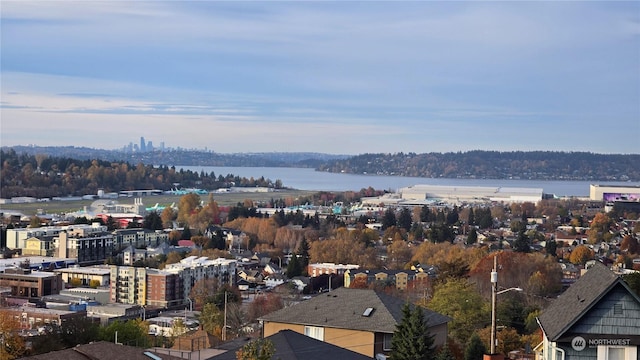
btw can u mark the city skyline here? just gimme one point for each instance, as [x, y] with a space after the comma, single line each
[341, 78]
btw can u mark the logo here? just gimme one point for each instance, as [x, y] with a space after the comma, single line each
[578, 343]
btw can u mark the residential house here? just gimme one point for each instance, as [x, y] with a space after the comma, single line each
[360, 320]
[598, 317]
[290, 345]
[103, 350]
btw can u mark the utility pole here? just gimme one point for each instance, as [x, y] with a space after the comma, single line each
[494, 295]
[224, 328]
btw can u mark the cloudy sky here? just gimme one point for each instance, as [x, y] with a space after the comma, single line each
[334, 77]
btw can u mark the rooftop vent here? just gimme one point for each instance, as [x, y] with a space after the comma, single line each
[367, 312]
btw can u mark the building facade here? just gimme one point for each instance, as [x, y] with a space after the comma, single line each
[128, 285]
[596, 318]
[164, 289]
[27, 284]
[193, 269]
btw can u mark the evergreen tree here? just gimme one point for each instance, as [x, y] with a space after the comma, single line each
[389, 219]
[551, 247]
[303, 252]
[472, 238]
[522, 242]
[412, 340]
[445, 354]
[152, 221]
[471, 219]
[186, 233]
[294, 268]
[452, 216]
[475, 349]
[404, 219]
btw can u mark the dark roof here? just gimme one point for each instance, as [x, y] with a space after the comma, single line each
[343, 308]
[578, 299]
[101, 350]
[290, 345]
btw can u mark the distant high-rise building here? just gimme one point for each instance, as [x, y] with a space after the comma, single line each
[162, 146]
[150, 146]
[143, 145]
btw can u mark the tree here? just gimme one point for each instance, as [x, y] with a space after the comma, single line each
[14, 346]
[551, 248]
[405, 219]
[411, 340]
[580, 255]
[472, 238]
[457, 299]
[629, 244]
[131, 332]
[167, 217]
[186, 233]
[264, 304]
[475, 349]
[260, 349]
[212, 319]
[203, 291]
[389, 218]
[294, 268]
[445, 354]
[78, 330]
[94, 283]
[633, 280]
[522, 242]
[187, 206]
[35, 222]
[303, 254]
[152, 221]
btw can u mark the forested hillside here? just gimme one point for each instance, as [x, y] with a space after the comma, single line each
[535, 165]
[43, 176]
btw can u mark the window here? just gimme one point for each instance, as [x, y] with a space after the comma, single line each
[314, 332]
[386, 342]
[617, 352]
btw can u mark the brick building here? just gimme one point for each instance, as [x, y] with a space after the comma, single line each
[28, 284]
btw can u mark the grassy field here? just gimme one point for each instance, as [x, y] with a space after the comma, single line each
[223, 199]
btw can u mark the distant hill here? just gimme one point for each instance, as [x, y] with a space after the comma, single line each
[184, 157]
[532, 165]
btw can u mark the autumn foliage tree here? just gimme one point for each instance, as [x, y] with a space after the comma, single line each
[263, 305]
[13, 345]
[581, 254]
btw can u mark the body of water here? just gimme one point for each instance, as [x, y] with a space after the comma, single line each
[309, 179]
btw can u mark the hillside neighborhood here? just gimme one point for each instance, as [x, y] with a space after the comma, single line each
[494, 272]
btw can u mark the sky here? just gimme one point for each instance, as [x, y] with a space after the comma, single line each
[339, 77]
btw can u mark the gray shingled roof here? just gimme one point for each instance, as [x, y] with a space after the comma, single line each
[578, 299]
[101, 350]
[343, 308]
[290, 345]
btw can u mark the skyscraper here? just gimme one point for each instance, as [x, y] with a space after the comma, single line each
[143, 145]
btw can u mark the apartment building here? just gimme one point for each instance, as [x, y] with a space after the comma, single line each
[193, 269]
[124, 238]
[89, 247]
[128, 285]
[164, 289]
[318, 269]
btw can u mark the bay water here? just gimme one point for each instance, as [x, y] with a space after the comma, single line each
[309, 179]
